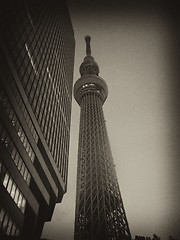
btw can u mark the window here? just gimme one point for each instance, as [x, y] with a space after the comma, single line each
[2, 213]
[7, 224]
[16, 195]
[5, 182]
[13, 190]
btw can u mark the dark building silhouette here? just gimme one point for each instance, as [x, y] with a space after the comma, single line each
[36, 74]
[100, 212]
[155, 237]
[142, 238]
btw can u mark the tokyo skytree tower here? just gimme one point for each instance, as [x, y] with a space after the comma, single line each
[99, 208]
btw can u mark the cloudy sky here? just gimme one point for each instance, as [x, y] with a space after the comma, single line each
[135, 47]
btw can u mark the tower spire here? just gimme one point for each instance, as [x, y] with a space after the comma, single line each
[88, 66]
[88, 46]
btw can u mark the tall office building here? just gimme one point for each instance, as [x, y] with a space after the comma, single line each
[36, 74]
[99, 208]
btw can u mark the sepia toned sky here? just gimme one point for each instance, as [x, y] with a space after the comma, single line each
[135, 46]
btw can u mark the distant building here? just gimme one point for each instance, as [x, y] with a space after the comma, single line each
[100, 213]
[140, 238]
[36, 74]
[155, 237]
[45, 239]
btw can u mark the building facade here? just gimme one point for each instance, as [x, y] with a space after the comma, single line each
[100, 212]
[36, 74]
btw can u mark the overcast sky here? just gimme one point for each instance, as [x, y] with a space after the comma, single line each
[134, 47]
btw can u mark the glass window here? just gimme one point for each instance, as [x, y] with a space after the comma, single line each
[6, 178]
[16, 195]
[5, 222]
[32, 156]
[17, 232]
[22, 169]
[25, 142]
[16, 158]
[19, 200]
[13, 190]
[19, 132]
[9, 227]
[25, 173]
[10, 146]
[30, 152]
[11, 115]
[22, 136]
[27, 147]
[19, 164]
[25, 113]
[28, 178]
[23, 205]
[2, 213]
[13, 153]
[6, 141]
[3, 135]
[17, 125]
[13, 230]
[9, 185]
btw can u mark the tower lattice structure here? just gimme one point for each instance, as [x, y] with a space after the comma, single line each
[100, 212]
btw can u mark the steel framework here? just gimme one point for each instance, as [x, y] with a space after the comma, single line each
[100, 212]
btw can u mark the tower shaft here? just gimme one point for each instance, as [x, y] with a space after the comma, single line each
[99, 208]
